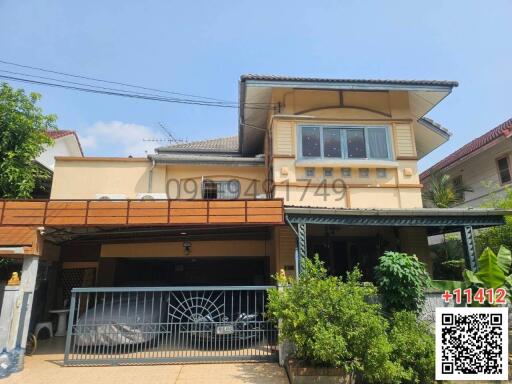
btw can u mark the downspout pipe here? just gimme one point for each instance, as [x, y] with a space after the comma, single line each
[150, 177]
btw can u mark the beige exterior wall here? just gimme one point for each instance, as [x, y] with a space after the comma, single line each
[198, 249]
[284, 248]
[184, 181]
[399, 189]
[414, 241]
[85, 178]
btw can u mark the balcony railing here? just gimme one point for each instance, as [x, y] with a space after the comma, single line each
[139, 212]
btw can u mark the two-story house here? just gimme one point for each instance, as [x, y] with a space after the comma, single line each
[325, 166]
[483, 165]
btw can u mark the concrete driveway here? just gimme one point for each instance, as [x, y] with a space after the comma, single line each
[45, 367]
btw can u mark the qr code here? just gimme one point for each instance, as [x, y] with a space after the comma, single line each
[471, 343]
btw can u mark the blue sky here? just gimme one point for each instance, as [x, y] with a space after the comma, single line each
[202, 47]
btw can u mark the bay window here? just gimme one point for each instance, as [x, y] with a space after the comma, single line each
[344, 142]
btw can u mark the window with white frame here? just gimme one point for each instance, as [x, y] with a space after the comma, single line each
[504, 170]
[344, 142]
[221, 190]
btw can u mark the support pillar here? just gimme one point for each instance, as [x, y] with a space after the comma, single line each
[302, 248]
[22, 308]
[468, 242]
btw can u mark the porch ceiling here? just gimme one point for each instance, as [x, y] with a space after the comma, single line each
[437, 220]
[124, 234]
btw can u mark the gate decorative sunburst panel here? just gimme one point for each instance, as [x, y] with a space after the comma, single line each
[130, 325]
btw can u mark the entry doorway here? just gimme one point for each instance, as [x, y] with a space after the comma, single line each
[341, 255]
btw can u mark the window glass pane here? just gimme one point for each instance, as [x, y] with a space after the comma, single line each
[355, 143]
[504, 170]
[377, 143]
[228, 189]
[381, 173]
[310, 141]
[310, 172]
[332, 142]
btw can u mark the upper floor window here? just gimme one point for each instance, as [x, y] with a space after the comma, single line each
[354, 142]
[504, 170]
[221, 190]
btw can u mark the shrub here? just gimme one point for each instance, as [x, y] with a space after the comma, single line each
[413, 348]
[332, 325]
[495, 237]
[402, 281]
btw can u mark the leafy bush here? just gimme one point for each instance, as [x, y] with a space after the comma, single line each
[402, 280]
[413, 348]
[332, 325]
[448, 262]
[495, 237]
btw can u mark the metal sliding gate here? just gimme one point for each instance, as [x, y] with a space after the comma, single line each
[171, 324]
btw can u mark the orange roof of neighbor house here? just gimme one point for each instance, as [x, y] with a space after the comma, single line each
[57, 134]
[502, 130]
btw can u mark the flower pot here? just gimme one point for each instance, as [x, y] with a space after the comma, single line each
[299, 373]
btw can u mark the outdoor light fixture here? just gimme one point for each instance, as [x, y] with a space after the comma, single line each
[186, 247]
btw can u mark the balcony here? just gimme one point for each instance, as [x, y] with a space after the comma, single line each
[76, 213]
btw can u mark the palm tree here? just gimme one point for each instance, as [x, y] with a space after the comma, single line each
[443, 192]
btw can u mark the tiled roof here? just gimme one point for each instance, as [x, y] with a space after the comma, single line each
[425, 120]
[219, 145]
[57, 134]
[352, 81]
[503, 129]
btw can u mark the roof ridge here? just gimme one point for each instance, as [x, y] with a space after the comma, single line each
[469, 147]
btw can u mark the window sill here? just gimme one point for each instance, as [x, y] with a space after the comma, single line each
[346, 163]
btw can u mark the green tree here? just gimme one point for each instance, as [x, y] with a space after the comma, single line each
[495, 237]
[443, 192]
[23, 127]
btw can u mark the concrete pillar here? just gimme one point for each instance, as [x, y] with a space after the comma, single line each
[17, 306]
[10, 296]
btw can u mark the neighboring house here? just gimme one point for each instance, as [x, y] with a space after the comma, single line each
[327, 166]
[484, 165]
[66, 143]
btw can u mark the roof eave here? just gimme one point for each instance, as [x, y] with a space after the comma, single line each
[363, 86]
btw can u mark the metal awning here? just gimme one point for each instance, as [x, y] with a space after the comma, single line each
[421, 217]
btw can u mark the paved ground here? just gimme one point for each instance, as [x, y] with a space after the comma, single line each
[45, 367]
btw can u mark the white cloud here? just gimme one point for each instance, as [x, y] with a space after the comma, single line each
[116, 138]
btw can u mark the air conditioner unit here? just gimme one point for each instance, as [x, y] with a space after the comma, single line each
[152, 196]
[110, 196]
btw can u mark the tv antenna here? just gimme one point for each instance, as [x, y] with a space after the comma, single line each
[170, 137]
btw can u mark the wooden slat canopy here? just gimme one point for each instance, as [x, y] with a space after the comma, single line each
[74, 213]
[18, 237]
